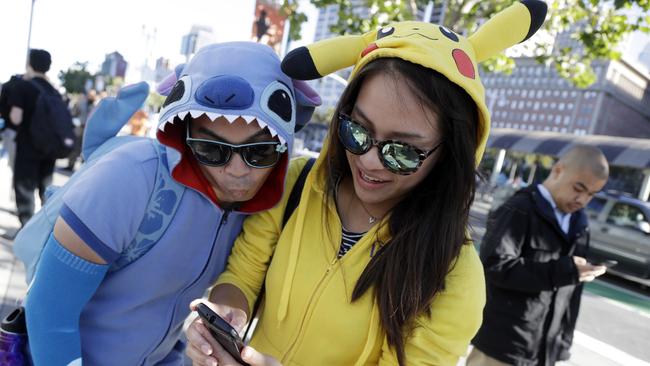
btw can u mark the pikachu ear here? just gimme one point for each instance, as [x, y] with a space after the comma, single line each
[513, 25]
[324, 57]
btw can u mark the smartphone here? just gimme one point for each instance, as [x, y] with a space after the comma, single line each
[223, 332]
[609, 263]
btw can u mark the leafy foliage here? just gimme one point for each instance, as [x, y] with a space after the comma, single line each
[74, 79]
[597, 27]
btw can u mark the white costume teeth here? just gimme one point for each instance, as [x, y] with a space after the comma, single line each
[230, 118]
[196, 114]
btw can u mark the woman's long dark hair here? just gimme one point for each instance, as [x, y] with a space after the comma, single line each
[428, 227]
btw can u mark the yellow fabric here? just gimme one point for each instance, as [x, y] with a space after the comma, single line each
[308, 317]
[426, 44]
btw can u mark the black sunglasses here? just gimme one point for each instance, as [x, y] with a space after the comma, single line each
[398, 157]
[216, 153]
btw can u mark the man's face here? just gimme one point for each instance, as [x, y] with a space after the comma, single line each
[235, 181]
[572, 189]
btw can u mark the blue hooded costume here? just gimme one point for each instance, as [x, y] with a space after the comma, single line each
[133, 314]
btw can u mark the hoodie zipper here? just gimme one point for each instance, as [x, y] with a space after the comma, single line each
[222, 223]
[309, 308]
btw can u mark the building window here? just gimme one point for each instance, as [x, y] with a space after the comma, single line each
[567, 120]
[524, 93]
[540, 93]
[573, 94]
[547, 93]
[553, 105]
[533, 117]
[556, 93]
[558, 119]
[526, 117]
[561, 106]
[545, 105]
[563, 130]
[565, 94]
[555, 129]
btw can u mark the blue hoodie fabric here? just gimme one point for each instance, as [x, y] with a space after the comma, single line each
[135, 317]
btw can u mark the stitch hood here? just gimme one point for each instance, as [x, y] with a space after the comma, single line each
[233, 80]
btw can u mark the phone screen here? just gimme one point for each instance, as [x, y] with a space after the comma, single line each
[607, 263]
[222, 331]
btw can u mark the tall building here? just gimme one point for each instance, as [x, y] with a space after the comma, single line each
[198, 37]
[435, 11]
[162, 69]
[534, 97]
[114, 65]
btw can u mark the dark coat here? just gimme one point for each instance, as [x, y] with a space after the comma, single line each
[533, 292]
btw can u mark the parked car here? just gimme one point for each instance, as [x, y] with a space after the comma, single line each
[620, 231]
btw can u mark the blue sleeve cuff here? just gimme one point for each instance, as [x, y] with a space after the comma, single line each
[103, 250]
[62, 286]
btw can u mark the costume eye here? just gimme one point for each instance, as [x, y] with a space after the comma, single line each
[280, 103]
[385, 32]
[175, 94]
[449, 34]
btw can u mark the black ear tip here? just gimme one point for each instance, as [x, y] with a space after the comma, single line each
[537, 9]
[298, 64]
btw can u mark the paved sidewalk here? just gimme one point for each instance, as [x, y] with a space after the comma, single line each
[12, 271]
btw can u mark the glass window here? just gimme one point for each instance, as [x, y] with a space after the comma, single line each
[561, 106]
[526, 117]
[596, 205]
[556, 93]
[567, 120]
[626, 215]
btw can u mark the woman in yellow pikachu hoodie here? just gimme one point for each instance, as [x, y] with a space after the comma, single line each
[374, 266]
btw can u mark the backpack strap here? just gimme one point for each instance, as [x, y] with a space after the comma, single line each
[296, 191]
[160, 211]
[292, 204]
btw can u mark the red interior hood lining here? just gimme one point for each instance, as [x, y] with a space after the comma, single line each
[188, 172]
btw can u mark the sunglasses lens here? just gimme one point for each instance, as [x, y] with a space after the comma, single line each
[209, 153]
[354, 137]
[400, 158]
[261, 156]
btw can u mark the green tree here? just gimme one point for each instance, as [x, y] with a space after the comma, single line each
[74, 79]
[600, 27]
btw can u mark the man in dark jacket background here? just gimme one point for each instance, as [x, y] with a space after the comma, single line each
[534, 254]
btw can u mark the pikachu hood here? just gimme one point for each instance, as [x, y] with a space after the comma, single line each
[430, 45]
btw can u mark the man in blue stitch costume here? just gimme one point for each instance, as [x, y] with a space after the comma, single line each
[104, 292]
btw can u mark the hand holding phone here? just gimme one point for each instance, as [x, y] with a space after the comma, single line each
[222, 332]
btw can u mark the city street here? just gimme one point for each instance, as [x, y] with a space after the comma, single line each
[613, 327]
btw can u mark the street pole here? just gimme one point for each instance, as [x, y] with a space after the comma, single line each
[29, 34]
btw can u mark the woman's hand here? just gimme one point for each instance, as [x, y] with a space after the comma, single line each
[204, 350]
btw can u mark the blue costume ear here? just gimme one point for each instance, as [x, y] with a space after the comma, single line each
[307, 99]
[168, 82]
[111, 115]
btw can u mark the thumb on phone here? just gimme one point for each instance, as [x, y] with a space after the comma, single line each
[255, 358]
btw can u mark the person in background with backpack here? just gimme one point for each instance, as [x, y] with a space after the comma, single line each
[102, 296]
[32, 170]
[376, 266]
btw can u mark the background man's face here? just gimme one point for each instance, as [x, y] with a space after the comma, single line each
[572, 189]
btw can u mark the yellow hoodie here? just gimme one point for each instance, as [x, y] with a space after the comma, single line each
[308, 317]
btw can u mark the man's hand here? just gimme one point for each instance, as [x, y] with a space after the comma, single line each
[587, 272]
[204, 350]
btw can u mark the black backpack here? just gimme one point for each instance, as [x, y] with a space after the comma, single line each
[51, 129]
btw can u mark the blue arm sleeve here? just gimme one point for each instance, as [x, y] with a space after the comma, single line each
[62, 286]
